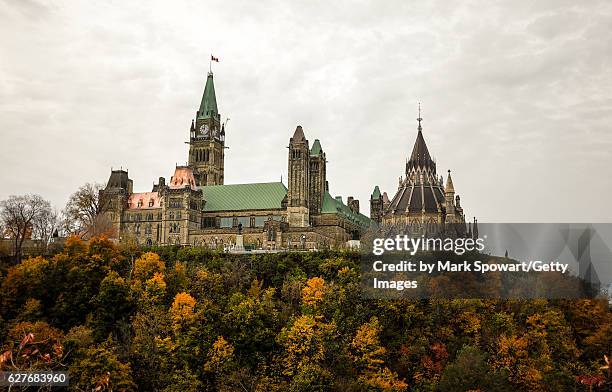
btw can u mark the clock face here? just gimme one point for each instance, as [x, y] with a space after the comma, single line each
[204, 131]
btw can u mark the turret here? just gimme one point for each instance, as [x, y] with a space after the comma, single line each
[449, 192]
[298, 190]
[376, 205]
[113, 198]
[317, 178]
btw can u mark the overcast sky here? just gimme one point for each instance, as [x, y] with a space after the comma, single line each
[516, 95]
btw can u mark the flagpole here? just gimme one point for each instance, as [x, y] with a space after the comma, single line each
[210, 64]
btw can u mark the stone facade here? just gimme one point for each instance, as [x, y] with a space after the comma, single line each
[196, 208]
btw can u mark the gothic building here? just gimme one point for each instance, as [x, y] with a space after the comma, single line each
[197, 208]
[422, 203]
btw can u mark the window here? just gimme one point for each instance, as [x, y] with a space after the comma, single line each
[137, 228]
[259, 221]
[227, 222]
[150, 216]
[151, 202]
[139, 203]
[148, 229]
[138, 217]
[176, 203]
[245, 220]
[209, 222]
[178, 215]
[171, 215]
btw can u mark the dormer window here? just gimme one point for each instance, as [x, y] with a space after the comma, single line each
[139, 203]
[151, 202]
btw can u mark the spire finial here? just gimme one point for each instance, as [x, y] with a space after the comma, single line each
[420, 119]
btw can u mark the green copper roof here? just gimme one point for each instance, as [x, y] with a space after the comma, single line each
[376, 193]
[336, 206]
[237, 197]
[208, 107]
[316, 148]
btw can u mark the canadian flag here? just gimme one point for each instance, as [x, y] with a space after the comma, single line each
[213, 58]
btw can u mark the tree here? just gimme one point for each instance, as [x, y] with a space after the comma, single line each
[32, 346]
[470, 372]
[314, 291]
[305, 343]
[24, 217]
[82, 213]
[44, 227]
[99, 368]
[113, 306]
[367, 353]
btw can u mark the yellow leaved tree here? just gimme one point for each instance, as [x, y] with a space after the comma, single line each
[147, 265]
[313, 293]
[367, 354]
[305, 343]
[182, 311]
[220, 356]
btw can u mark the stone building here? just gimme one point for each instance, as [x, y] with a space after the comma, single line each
[196, 208]
[422, 202]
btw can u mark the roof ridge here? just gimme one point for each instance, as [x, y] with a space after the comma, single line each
[246, 183]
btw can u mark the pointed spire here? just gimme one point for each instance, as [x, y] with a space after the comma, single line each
[298, 135]
[208, 106]
[376, 193]
[420, 154]
[385, 198]
[450, 188]
[316, 148]
[420, 157]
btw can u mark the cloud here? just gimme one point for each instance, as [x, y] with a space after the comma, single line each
[515, 95]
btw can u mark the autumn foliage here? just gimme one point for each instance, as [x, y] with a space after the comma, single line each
[188, 319]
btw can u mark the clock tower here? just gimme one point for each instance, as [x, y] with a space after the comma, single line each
[207, 140]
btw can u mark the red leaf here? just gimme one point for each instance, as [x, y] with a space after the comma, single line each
[28, 338]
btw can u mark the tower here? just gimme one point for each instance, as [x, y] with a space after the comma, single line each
[298, 193]
[449, 192]
[207, 140]
[376, 205]
[420, 202]
[317, 171]
[114, 198]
